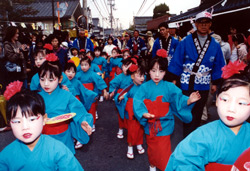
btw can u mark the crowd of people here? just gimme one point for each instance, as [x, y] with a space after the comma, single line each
[150, 79]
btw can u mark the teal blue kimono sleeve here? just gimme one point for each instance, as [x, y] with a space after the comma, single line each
[192, 153]
[139, 107]
[121, 105]
[178, 103]
[77, 107]
[87, 97]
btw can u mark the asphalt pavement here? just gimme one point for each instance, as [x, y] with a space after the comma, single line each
[105, 152]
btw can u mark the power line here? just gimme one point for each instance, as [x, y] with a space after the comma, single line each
[142, 5]
[149, 7]
[105, 3]
[103, 7]
[99, 10]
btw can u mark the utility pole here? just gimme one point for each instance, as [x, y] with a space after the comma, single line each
[85, 12]
[53, 15]
[111, 13]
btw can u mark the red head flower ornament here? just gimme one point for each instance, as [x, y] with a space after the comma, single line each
[133, 68]
[162, 53]
[51, 57]
[89, 57]
[12, 89]
[134, 60]
[124, 50]
[48, 46]
[82, 50]
[232, 68]
[71, 61]
[136, 56]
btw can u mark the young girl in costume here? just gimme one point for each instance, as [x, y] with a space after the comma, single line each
[125, 107]
[154, 105]
[58, 102]
[101, 63]
[40, 58]
[117, 85]
[32, 150]
[114, 63]
[87, 97]
[217, 145]
[91, 81]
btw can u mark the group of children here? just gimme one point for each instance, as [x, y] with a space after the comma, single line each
[144, 105]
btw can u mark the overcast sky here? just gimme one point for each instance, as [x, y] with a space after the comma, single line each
[126, 9]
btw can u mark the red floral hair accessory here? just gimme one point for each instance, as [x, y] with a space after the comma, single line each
[82, 50]
[162, 53]
[232, 68]
[71, 61]
[124, 50]
[134, 60]
[136, 56]
[89, 57]
[12, 89]
[51, 57]
[48, 46]
[133, 68]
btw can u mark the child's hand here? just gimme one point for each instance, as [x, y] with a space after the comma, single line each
[111, 95]
[106, 95]
[122, 97]
[99, 73]
[195, 96]
[65, 87]
[148, 115]
[86, 127]
[213, 89]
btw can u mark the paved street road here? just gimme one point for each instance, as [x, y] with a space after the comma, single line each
[105, 152]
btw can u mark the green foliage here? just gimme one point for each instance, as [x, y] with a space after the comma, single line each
[160, 10]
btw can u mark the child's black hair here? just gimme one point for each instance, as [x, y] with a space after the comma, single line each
[237, 80]
[87, 59]
[54, 68]
[39, 51]
[69, 65]
[92, 54]
[104, 53]
[97, 49]
[30, 103]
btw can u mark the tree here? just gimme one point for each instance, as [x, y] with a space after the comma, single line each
[160, 10]
[10, 13]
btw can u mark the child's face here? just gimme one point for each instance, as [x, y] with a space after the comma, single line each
[70, 73]
[27, 129]
[49, 84]
[137, 78]
[97, 53]
[85, 66]
[54, 42]
[125, 68]
[233, 106]
[114, 53]
[74, 52]
[125, 55]
[156, 73]
[39, 60]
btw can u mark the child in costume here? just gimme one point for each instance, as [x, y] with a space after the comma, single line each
[217, 145]
[39, 60]
[91, 81]
[125, 107]
[101, 63]
[87, 97]
[154, 105]
[114, 63]
[58, 102]
[32, 150]
[117, 85]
